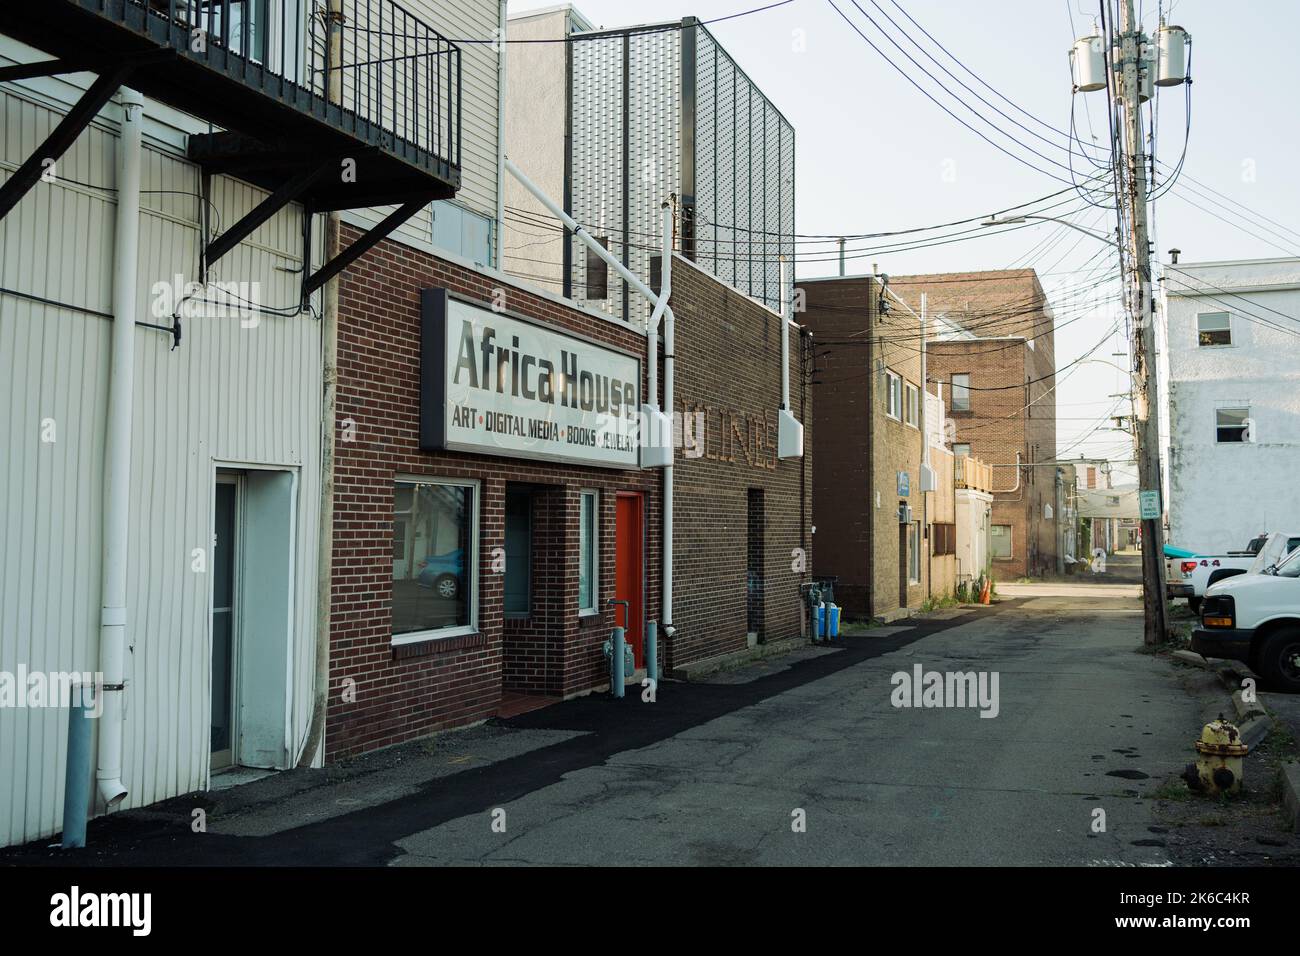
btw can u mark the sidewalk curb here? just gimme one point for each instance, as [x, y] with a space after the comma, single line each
[1255, 730]
[1245, 711]
[1227, 671]
[1291, 793]
[1253, 721]
[711, 665]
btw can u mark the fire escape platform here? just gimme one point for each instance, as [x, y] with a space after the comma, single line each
[278, 127]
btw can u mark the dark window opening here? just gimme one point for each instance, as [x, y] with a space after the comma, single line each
[597, 274]
[519, 553]
[754, 602]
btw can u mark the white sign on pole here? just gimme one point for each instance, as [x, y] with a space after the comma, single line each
[1149, 503]
[501, 384]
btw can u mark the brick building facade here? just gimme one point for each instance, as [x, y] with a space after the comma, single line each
[873, 517]
[405, 689]
[504, 535]
[740, 511]
[992, 354]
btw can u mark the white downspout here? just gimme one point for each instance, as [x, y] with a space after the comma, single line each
[670, 323]
[501, 138]
[789, 431]
[662, 310]
[785, 339]
[925, 390]
[117, 454]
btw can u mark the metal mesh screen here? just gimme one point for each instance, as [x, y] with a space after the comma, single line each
[745, 201]
[743, 161]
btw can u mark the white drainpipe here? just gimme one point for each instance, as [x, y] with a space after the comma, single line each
[661, 310]
[117, 453]
[789, 431]
[785, 339]
[670, 323]
[1015, 487]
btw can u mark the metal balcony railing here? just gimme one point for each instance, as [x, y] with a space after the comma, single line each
[393, 71]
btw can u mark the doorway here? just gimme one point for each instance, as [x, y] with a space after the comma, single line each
[903, 557]
[225, 572]
[629, 569]
[253, 585]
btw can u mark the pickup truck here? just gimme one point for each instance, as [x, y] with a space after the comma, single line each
[1202, 570]
[1255, 618]
[1177, 567]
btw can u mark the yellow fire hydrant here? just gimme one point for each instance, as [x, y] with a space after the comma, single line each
[1218, 770]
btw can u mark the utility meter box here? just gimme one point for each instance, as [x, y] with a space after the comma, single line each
[789, 435]
[657, 441]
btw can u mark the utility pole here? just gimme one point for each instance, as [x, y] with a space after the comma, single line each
[1147, 425]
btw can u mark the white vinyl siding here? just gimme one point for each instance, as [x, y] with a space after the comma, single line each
[459, 20]
[228, 393]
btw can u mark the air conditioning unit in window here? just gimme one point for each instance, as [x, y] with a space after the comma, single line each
[904, 514]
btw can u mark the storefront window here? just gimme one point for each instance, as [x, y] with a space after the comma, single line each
[435, 557]
[588, 554]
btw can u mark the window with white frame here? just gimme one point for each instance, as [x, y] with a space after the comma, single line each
[1231, 425]
[589, 553]
[961, 392]
[913, 405]
[461, 231]
[435, 558]
[893, 395]
[961, 449]
[1213, 328]
[1000, 538]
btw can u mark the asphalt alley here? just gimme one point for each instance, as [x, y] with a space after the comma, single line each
[719, 772]
[879, 784]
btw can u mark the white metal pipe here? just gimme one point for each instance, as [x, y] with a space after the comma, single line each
[662, 312]
[117, 453]
[315, 741]
[502, 20]
[670, 325]
[925, 388]
[1016, 486]
[785, 337]
[587, 239]
[665, 291]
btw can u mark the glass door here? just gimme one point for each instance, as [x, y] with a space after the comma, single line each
[224, 575]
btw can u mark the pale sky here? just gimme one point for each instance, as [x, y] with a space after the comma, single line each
[874, 155]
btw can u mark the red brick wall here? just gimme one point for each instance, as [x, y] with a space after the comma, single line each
[728, 352]
[412, 690]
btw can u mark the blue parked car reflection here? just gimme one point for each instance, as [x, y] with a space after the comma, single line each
[442, 573]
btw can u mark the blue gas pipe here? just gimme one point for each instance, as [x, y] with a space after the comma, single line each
[616, 654]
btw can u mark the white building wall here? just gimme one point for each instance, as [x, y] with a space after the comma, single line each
[974, 520]
[228, 394]
[534, 121]
[1222, 494]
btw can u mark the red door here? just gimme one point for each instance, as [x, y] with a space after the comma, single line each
[629, 549]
